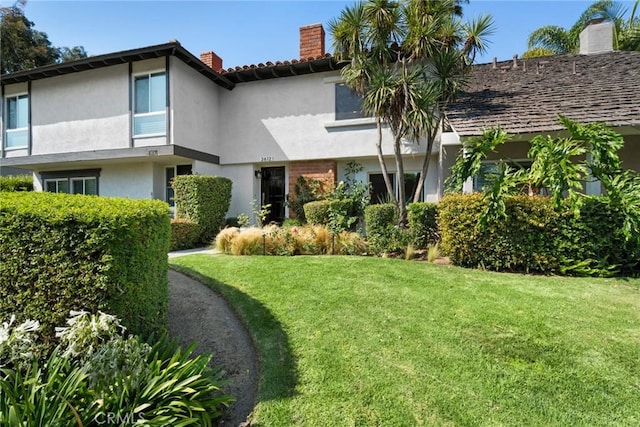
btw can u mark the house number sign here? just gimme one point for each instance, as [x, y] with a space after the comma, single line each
[266, 159]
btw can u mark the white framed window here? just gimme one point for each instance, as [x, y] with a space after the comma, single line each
[72, 182]
[150, 104]
[17, 122]
[379, 193]
[348, 103]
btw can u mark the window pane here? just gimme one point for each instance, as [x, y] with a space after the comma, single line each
[12, 113]
[63, 186]
[169, 174]
[91, 186]
[50, 186]
[184, 169]
[23, 111]
[158, 92]
[379, 193]
[482, 179]
[410, 185]
[148, 125]
[17, 138]
[141, 95]
[348, 103]
[78, 186]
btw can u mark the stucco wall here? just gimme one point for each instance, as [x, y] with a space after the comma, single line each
[630, 153]
[291, 118]
[131, 180]
[244, 189]
[81, 111]
[194, 108]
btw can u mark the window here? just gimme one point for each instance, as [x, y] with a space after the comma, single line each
[379, 193]
[170, 173]
[150, 104]
[489, 168]
[348, 103]
[17, 122]
[72, 182]
[410, 185]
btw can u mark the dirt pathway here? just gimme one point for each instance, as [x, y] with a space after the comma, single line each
[196, 313]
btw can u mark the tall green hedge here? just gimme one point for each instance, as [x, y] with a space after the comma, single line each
[61, 252]
[203, 199]
[16, 183]
[535, 237]
[423, 223]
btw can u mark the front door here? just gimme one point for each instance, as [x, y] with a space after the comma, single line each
[273, 193]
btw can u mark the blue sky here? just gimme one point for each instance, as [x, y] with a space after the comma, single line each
[249, 32]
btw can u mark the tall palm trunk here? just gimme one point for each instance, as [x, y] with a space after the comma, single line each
[431, 137]
[383, 164]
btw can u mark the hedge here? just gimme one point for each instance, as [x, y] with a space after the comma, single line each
[16, 183]
[383, 235]
[534, 237]
[423, 224]
[185, 234]
[203, 199]
[62, 252]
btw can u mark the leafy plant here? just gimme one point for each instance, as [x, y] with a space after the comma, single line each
[16, 183]
[305, 190]
[243, 220]
[260, 212]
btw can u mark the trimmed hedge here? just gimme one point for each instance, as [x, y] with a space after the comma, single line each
[16, 183]
[536, 238]
[317, 213]
[185, 234]
[61, 252]
[203, 199]
[383, 235]
[423, 224]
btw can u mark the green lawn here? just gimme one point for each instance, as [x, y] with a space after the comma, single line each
[368, 341]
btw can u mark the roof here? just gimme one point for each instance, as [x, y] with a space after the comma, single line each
[271, 70]
[92, 62]
[527, 99]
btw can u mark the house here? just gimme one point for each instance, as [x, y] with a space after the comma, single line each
[124, 124]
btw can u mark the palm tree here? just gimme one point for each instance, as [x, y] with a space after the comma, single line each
[554, 40]
[407, 59]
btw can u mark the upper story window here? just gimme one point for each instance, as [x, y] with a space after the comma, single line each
[348, 103]
[150, 104]
[17, 122]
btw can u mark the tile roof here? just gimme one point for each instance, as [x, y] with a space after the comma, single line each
[270, 70]
[527, 99]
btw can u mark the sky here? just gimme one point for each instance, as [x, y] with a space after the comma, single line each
[249, 32]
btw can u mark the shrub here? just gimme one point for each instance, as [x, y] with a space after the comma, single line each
[382, 233]
[16, 183]
[534, 237]
[317, 213]
[62, 252]
[249, 242]
[224, 239]
[305, 190]
[185, 234]
[423, 224]
[204, 200]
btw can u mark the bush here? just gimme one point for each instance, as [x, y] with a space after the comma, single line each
[383, 234]
[16, 183]
[305, 190]
[204, 200]
[185, 234]
[423, 224]
[61, 252]
[534, 237]
[317, 213]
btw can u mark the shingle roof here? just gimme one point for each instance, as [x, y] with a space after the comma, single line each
[527, 99]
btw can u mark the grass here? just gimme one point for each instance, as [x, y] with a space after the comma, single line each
[348, 341]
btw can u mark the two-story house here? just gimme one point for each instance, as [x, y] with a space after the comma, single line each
[124, 124]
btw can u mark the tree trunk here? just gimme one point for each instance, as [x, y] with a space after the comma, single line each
[425, 164]
[402, 201]
[383, 165]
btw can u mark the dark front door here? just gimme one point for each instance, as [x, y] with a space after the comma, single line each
[273, 193]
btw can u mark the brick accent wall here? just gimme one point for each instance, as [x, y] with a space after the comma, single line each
[322, 170]
[311, 41]
[212, 60]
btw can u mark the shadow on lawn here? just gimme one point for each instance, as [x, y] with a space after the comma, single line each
[276, 362]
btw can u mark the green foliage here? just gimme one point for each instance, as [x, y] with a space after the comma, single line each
[305, 190]
[469, 160]
[317, 213]
[260, 212]
[204, 200]
[383, 234]
[185, 234]
[423, 224]
[292, 222]
[62, 252]
[18, 343]
[534, 236]
[16, 183]
[97, 371]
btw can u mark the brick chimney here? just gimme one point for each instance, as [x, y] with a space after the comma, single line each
[597, 37]
[311, 41]
[212, 60]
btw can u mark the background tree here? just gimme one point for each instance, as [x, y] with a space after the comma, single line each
[407, 59]
[555, 40]
[23, 47]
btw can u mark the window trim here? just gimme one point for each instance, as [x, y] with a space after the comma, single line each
[164, 112]
[70, 176]
[395, 183]
[352, 115]
[5, 117]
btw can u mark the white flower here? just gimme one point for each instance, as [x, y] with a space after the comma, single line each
[28, 326]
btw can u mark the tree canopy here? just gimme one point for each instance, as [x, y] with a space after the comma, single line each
[23, 47]
[555, 40]
[407, 59]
